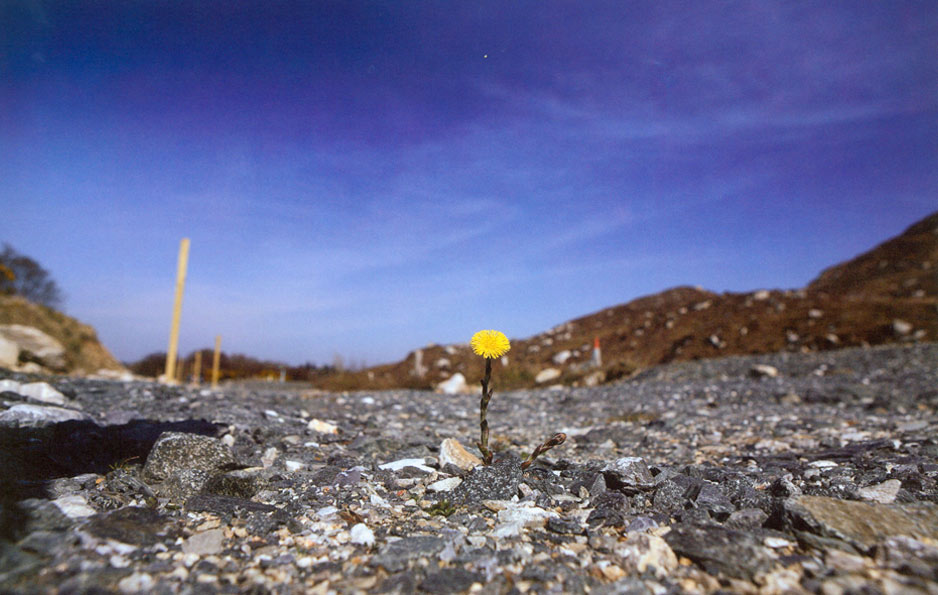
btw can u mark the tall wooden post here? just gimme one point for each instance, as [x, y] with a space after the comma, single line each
[177, 310]
[216, 359]
[197, 368]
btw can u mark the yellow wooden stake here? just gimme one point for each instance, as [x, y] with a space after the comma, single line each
[216, 359]
[177, 310]
[197, 371]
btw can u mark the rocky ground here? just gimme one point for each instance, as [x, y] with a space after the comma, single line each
[781, 473]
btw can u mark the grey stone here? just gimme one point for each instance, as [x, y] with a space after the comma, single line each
[628, 473]
[609, 509]
[498, 481]
[747, 518]
[395, 556]
[240, 483]
[450, 580]
[720, 550]
[176, 451]
[713, 500]
[183, 484]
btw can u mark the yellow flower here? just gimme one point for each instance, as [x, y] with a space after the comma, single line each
[490, 344]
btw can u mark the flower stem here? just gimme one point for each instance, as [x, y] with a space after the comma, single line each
[483, 443]
[555, 440]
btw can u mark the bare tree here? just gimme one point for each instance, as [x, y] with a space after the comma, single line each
[21, 275]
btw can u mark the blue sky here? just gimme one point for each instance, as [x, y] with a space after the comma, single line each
[362, 178]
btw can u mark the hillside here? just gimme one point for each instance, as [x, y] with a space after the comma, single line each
[83, 353]
[888, 294]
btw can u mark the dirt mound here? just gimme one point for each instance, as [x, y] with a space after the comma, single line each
[888, 294]
[84, 354]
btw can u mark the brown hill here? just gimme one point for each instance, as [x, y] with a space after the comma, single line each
[889, 294]
[83, 353]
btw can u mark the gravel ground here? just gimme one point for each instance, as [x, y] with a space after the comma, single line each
[778, 473]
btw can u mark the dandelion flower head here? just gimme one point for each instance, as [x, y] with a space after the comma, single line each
[490, 344]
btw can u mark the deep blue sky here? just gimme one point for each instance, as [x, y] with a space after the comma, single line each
[362, 178]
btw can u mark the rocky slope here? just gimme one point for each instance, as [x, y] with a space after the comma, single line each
[781, 473]
[62, 344]
[886, 295]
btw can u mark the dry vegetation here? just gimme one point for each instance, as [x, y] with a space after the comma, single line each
[852, 304]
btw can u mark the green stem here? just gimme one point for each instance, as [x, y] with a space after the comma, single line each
[483, 443]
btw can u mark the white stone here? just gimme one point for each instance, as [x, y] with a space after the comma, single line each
[762, 294]
[74, 506]
[38, 415]
[506, 530]
[138, 582]
[815, 313]
[901, 327]
[43, 392]
[46, 349]
[401, 463]
[204, 543]
[122, 375]
[527, 516]
[362, 535]
[763, 370]
[322, 427]
[594, 379]
[777, 542]
[10, 385]
[270, 455]
[445, 485]
[546, 375]
[823, 464]
[642, 551]
[454, 385]
[562, 356]
[884, 493]
[9, 353]
[293, 466]
[451, 451]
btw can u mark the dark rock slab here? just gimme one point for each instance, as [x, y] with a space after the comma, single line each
[861, 524]
[132, 525]
[721, 551]
[609, 509]
[450, 580]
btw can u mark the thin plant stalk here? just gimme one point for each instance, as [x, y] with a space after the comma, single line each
[555, 440]
[483, 443]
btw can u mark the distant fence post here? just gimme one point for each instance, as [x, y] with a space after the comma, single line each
[177, 310]
[197, 368]
[216, 359]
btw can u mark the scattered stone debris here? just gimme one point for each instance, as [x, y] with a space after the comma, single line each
[779, 473]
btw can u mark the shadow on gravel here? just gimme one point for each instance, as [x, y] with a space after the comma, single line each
[29, 457]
